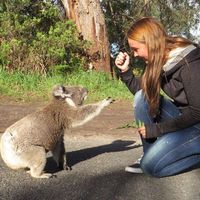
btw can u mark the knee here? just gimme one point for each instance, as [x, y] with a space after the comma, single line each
[146, 167]
[150, 169]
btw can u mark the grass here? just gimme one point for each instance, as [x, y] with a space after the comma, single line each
[34, 87]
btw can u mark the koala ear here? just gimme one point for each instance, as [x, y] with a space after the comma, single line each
[59, 91]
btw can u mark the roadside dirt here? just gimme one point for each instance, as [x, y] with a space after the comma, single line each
[107, 124]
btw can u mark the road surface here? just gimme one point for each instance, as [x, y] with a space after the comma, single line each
[98, 153]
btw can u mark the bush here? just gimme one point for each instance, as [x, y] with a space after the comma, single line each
[35, 39]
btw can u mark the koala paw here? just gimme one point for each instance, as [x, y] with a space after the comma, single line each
[107, 101]
[66, 167]
[110, 99]
[63, 165]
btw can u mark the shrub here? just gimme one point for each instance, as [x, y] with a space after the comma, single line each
[35, 39]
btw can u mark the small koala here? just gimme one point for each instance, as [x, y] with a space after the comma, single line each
[25, 143]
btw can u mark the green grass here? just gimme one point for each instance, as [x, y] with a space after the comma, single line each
[34, 87]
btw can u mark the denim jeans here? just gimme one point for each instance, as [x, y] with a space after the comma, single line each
[171, 153]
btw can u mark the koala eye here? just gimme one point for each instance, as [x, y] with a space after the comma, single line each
[63, 89]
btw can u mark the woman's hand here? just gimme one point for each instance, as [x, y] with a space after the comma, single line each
[122, 61]
[142, 131]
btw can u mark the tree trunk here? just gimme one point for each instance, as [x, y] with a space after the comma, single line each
[90, 21]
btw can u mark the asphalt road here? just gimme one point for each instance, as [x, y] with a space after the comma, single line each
[98, 174]
[98, 153]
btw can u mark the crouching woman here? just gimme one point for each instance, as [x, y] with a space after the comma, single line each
[170, 131]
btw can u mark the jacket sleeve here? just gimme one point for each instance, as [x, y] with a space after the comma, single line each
[191, 114]
[131, 81]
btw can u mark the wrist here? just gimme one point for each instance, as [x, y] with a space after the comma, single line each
[124, 70]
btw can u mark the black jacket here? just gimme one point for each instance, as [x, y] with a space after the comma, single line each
[182, 84]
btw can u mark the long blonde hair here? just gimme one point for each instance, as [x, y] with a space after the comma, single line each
[152, 33]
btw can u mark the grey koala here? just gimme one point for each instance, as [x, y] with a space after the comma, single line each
[25, 143]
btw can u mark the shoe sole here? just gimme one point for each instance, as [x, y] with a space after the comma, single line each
[133, 170]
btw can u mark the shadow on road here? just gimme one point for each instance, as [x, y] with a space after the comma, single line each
[75, 157]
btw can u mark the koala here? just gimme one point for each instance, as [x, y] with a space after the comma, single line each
[25, 143]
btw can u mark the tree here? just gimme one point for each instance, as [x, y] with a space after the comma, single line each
[179, 16]
[90, 22]
[33, 38]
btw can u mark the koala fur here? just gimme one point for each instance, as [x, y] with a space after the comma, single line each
[25, 143]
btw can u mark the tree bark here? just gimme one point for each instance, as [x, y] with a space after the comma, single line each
[89, 19]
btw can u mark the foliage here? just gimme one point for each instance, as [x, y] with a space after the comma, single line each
[177, 16]
[32, 86]
[34, 38]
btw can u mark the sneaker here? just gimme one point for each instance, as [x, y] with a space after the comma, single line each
[135, 168]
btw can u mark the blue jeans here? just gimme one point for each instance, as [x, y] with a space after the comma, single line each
[171, 153]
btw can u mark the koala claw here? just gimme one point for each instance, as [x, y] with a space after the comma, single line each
[47, 175]
[53, 176]
[66, 167]
[108, 101]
